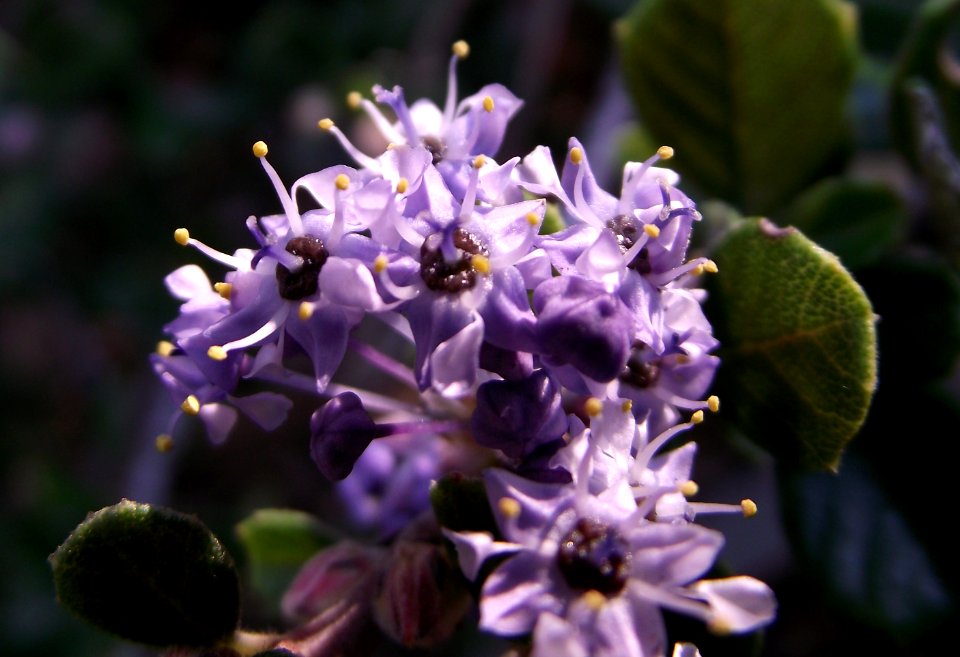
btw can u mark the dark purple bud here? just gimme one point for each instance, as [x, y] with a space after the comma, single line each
[511, 365]
[422, 596]
[340, 431]
[329, 577]
[582, 325]
[517, 416]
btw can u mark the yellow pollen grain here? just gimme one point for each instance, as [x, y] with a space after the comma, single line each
[342, 181]
[651, 230]
[163, 443]
[260, 149]
[354, 98]
[509, 507]
[689, 488]
[402, 186]
[665, 152]
[481, 264]
[487, 104]
[479, 161]
[696, 271]
[594, 599]
[223, 289]
[532, 219]
[305, 310]
[191, 405]
[380, 263]
[593, 407]
[576, 155]
[749, 508]
[710, 266]
[461, 49]
[719, 627]
[713, 403]
[165, 348]
[697, 417]
[217, 352]
[626, 406]
[181, 236]
[325, 124]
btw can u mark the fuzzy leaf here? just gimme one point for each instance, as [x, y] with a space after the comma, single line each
[751, 94]
[148, 574]
[799, 345]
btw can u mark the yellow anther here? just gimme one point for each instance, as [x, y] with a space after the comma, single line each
[713, 403]
[480, 263]
[576, 155]
[305, 310]
[682, 359]
[593, 407]
[689, 488]
[532, 218]
[260, 149]
[479, 161]
[719, 627]
[509, 507]
[696, 271]
[223, 289]
[665, 152]
[191, 405]
[697, 417]
[461, 49]
[354, 98]
[342, 181]
[626, 406]
[181, 236]
[710, 266]
[651, 230]
[164, 443]
[594, 599]
[325, 124]
[380, 263]
[165, 348]
[749, 508]
[402, 186]
[488, 103]
[216, 352]
[391, 146]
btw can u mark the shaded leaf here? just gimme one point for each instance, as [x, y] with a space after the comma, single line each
[148, 574]
[926, 56]
[799, 346]
[847, 532]
[277, 543]
[751, 94]
[856, 221]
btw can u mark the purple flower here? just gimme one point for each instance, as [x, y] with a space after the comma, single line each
[590, 572]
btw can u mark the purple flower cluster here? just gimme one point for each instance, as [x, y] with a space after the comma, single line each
[556, 367]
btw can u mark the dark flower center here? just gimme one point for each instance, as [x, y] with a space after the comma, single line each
[626, 232]
[296, 285]
[593, 556]
[435, 146]
[454, 276]
[640, 373]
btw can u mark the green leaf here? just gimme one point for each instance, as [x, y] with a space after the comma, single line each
[856, 221]
[927, 56]
[798, 343]
[148, 574]
[277, 542]
[751, 94]
[848, 533]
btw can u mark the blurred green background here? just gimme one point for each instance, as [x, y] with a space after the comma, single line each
[123, 120]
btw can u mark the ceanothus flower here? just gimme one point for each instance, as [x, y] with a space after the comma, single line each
[590, 572]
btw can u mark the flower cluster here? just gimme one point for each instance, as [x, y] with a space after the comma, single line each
[552, 368]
